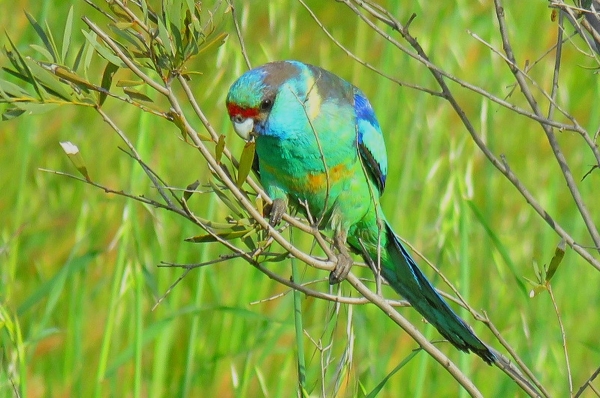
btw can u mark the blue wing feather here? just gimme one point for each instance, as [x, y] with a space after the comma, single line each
[371, 145]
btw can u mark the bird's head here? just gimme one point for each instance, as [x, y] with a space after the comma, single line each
[252, 97]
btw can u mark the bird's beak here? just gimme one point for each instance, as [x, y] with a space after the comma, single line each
[244, 127]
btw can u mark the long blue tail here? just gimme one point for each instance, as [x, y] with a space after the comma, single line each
[405, 277]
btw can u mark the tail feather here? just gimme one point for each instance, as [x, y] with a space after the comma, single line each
[405, 277]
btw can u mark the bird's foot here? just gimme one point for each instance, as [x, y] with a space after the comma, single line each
[344, 260]
[342, 268]
[278, 209]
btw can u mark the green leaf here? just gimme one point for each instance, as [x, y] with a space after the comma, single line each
[379, 387]
[51, 290]
[65, 74]
[219, 148]
[12, 113]
[75, 157]
[214, 43]
[246, 161]
[21, 76]
[43, 51]
[249, 241]
[233, 206]
[277, 258]
[538, 272]
[8, 89]
[52, 41]
[499, 246]
[190, 189]
[195, 20]
[66, 42]
[537, 289]
[121, 29]
[148, 12]
[129, 83]
[174, 15]
[163, 35]
[559, 253]
[107, 78]
[136, 95]
[23, 69]
[151, 332]
[228, 235]
[123, 25]
[79, 55]
[35, 108]
[89, 52]
[103, 51]
[40, 32]
[44, 75]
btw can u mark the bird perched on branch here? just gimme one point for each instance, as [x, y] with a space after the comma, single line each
[318, 143]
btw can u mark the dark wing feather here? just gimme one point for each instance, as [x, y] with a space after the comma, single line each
[371, 145]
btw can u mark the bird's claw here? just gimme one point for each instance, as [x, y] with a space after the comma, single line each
[342, 268]
[344, 260]
[277, 211]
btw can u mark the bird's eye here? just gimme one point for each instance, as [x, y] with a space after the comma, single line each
[266, 104]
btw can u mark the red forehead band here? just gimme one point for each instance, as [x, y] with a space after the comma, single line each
[235, 110]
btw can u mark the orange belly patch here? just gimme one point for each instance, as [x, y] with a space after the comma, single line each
[317, 182]
[312, 183]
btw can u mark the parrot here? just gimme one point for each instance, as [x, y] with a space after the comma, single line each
[320, 150]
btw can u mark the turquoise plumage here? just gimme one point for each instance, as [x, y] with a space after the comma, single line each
[318, 142]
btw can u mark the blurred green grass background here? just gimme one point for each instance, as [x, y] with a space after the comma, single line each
[78, 267]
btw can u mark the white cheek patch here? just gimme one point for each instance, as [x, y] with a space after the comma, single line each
[244, 128]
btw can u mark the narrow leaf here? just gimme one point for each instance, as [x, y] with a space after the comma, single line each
[65, 74]
[104, 52]
[43, 36]
[107, 78]
[122, 30]
[11, 90]
[537, 290]
[219, 148]
[559, 253]
[229, 235]
[66, 42]
[12, 113]
[43, 74]
[174, 15]
[277, 258]
[190, 189]
[379, 387]
[214, 43]
[163, 34]
[204, 137]
[22, 66]
[124, 25]
[129, 83]
[246, 161]
[36, 108]
[225, 199]
[89, 52]
[136, 95]
[249, 241]
[501, 248]
[75, 157]
[52, 41]
[43, 51]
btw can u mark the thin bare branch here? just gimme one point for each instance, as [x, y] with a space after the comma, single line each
[238, 32]
[501, 163]
[560, 158]
[588, 383]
